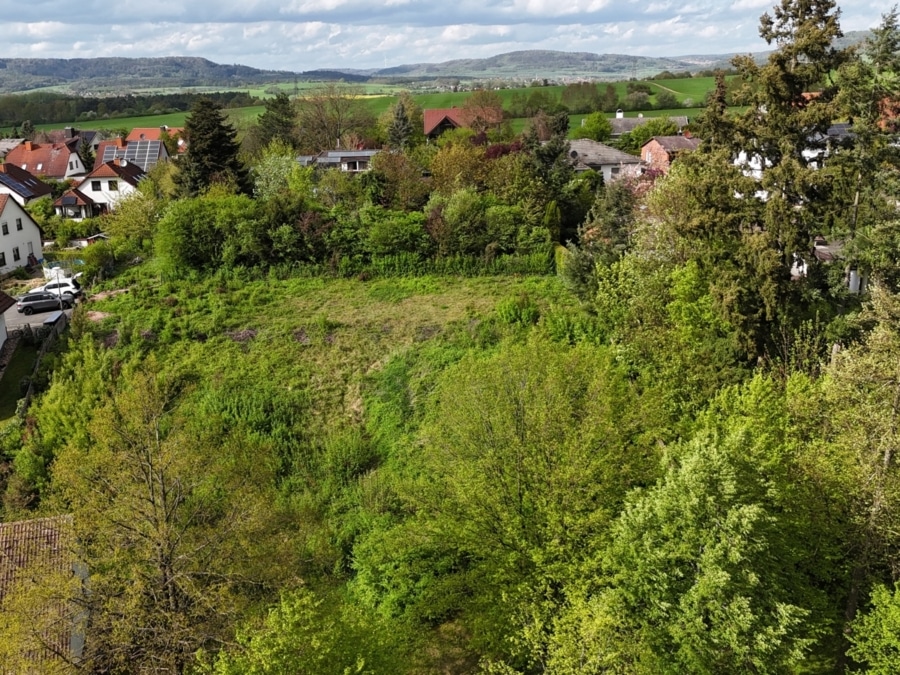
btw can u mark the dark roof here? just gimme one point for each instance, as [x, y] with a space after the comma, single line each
[74, 197]
[6, 301]
[22, 182]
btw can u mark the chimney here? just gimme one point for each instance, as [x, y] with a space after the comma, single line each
[619, 114]
[120, 142]
[28, 146]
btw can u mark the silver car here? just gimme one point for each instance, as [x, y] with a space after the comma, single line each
[43, 302]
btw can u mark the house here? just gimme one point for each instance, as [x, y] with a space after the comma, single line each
[20, 237]
[86, 140]
[146, 154]
[156, 134]
[351, 161]
[21, 185]
[588, 154]
[660, 151]
[6, 302]
[828, 253]
[99, 191]
[52, 160]
[625, 125]
[7, 144]
[439, 120]
[35, 554]
[75, 205]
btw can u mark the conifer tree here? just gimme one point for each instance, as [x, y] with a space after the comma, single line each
[212, 154]
[400, 129]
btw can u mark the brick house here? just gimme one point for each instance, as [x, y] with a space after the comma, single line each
[660, 151]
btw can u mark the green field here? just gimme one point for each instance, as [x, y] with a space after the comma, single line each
[379, 98]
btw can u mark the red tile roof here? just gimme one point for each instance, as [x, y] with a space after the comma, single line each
[43, 546]
[81, 199]
[435, 116]
[42, 159]
[3, 200]
[152, 133]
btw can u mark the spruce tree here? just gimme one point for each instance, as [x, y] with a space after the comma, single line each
[400, 129]
[278, 122]
[212, 154]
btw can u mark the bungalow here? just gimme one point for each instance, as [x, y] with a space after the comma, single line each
[20, 237]
[351, 161]
[21, 185]
[660, 151]
[585, 154]
[439, 120]
[53, 160]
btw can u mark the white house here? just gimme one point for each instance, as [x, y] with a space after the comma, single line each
[20, 237]
[101, 189]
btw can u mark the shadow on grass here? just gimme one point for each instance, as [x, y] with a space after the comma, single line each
[20, 366]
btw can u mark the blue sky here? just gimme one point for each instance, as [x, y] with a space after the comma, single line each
[299, 35]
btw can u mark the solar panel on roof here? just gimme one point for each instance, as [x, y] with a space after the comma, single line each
[68, 200]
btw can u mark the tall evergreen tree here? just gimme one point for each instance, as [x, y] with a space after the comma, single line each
[212, 154]
[279, 121]
[400, 129]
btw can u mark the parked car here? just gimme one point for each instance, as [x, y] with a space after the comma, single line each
[43, 302]
[60, 287]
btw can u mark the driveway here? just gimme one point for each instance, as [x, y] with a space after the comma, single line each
[15, 320]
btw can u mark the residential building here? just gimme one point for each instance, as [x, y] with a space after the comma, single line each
[21, 185]
[611, 163]
[75, 205]
[32, 552]
[145, 153]
[20, 237]
[625, 125]
[660, 151]
[439, 120]
[351, 161]
[6, 302]
[50, 160]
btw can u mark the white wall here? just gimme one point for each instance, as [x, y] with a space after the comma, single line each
[30, 234]
[104, 195]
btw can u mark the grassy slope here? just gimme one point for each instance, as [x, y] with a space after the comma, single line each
[322, 335]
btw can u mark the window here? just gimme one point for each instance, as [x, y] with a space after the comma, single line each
[113, 186]
[95, 186]
[2, 259]
[19, 224]
[16, 255]
[5, 228]
[71, 165]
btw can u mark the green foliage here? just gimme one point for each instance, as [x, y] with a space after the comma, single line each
[595, 126]
[874, 634]
[212, 154]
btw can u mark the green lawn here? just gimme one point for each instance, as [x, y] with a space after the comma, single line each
[20, 366]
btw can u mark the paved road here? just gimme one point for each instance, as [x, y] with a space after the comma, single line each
[16, 320]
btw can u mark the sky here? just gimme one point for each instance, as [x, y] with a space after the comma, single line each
[298, 35]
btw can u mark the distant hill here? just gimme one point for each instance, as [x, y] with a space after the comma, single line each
[119, 75]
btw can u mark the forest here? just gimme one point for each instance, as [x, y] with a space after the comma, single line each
[470, 411]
